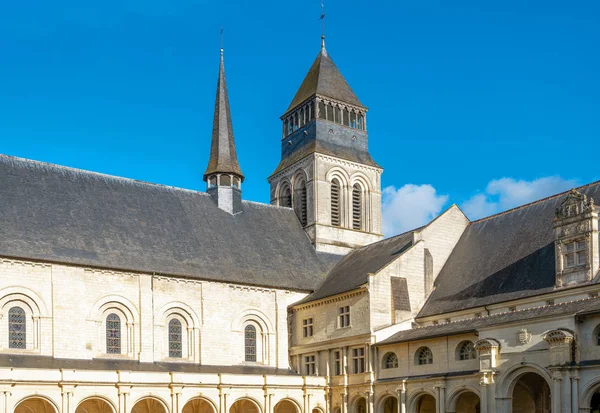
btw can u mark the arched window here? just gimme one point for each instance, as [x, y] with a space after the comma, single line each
[330, 112]
[352, 119]
[356, 207]
[390, 361]
[250, 343]
[17, 330]
[360, 121]
[285, 196]
[175, 339]
[346, 117]
[424, 356]
[302, 117]
[300, 202]
[113, 334]
[338, 115]
[296, 121]
[285, 128]
[321, 110]
[466, 351]
[335, 203]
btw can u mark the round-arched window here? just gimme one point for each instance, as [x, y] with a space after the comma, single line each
[390, 361]
[466, 351]
[424, 356]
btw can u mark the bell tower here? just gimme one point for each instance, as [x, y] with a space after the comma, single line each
[326, 172]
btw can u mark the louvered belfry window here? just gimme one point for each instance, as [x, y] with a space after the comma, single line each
[16, 328]
[356, 207]
[335, 203]
[303, 217]
[250, 342]
[286, 197]
[175, 339]
[113, 334]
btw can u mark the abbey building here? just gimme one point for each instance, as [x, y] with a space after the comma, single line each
[119, 296]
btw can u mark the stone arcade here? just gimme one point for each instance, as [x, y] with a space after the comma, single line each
[118, 296]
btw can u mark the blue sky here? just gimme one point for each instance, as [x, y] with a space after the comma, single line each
[484, 104]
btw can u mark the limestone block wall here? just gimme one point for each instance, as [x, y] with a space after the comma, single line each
[66, 309]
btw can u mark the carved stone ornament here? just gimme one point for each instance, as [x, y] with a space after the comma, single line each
[523, 336]
[575, 203]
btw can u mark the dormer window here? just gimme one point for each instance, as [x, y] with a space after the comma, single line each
[574, 254]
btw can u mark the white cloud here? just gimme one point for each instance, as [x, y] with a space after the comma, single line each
[409, 207]
[412, 206]
[505, 193]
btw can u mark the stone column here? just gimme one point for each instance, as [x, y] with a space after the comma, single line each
[566, 392]
[124, 399]
[442, 399]
[176, 399]
[555, 397]
[437, 400]
[345, 360]
[401, 391]
[484, 401]
[369, 396]
[575, 391]
[345, 401]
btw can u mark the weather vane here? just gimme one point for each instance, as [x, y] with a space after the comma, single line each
[221, 38]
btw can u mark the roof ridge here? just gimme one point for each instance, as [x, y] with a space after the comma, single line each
[99, 174]
[534, 202]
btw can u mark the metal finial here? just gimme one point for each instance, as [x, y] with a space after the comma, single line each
[322, 18]
[221, 40]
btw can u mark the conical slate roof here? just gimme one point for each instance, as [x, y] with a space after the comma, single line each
[324, 79]
[223, 157]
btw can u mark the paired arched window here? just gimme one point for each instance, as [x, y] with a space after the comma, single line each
[466, 351]
[175, 339]
[113, 334]
[356, 207]
[250, 343]
[335, 203]
[423, 356]
[390, 361]
[285, 196]
[17, 328]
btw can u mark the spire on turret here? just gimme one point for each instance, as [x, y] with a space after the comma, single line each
[223, 174]
[223, 157]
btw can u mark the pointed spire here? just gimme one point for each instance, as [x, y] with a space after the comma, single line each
[223, 157]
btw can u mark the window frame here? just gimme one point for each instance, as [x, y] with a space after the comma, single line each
[343, 318]
[250, 357]
[15, 326]
[114, 344]
[173, 352]
[462, 354]
[421, 359]
[307, 327]
[310, 364]
[578, 251]
[358, 360]
[337, 362]
[386, 364]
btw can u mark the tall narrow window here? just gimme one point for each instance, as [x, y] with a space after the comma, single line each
[113, 334]
[360, 122]
[250, 342]
[300, 201]
[352, 119]
[285, 198]
[17, 328]
[358, 360]
[335, 203]
[357, 207]
[344, 316]
[175, 339]
[309, 365]
[302, 117]
[338, 115]
[322, 110]
[285, 128]
[346, 117]
[330, 112]
[337, 362]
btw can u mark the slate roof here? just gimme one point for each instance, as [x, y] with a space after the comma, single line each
[500, 258]
[324, 79]
[585, 306]
[223, 156]
[45, 362]
[353, 270]
[64, 215]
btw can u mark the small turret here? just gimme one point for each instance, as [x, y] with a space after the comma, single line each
[223, 175]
